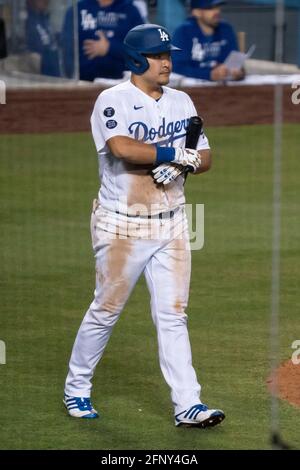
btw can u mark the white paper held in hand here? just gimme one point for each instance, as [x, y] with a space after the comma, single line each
[236, 59]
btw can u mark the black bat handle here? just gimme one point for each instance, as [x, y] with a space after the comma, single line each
[193, 132]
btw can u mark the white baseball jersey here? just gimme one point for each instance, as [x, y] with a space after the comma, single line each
[125, 110]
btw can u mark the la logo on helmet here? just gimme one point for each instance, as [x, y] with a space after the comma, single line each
[163, 35]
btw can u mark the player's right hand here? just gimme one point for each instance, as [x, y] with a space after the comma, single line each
[188, 158]
[166, 173]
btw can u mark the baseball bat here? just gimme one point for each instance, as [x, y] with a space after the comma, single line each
[193, 133]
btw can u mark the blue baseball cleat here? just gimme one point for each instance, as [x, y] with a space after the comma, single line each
[199, 416]
[80, 407]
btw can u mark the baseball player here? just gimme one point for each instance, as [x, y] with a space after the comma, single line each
[206, 41]
[139, 225]
[40, 37]
[102, 27]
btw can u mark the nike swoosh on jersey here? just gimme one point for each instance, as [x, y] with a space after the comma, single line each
[137, 107]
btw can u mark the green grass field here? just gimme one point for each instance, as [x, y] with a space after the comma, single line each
[47, 281]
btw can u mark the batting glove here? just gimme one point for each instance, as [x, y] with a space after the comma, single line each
[187, 158]
[166, 173]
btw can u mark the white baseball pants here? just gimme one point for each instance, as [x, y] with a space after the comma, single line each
[163, 255]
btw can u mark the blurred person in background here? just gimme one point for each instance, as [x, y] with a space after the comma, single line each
[171, 13]
[142, 6]
[206, 41]
[102, 25]
[40, 38]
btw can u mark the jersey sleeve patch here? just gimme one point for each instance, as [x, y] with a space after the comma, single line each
[109, 112]
[111, 124]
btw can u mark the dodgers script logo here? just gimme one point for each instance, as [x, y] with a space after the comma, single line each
[103, 19]
[171, 131]
[199, 52]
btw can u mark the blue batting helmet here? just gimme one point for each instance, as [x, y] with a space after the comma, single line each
[142, 40]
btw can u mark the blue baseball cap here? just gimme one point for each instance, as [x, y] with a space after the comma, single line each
[206, 4]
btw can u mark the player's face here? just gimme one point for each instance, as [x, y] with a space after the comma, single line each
[210, 17]
[105, 3]
[160, 67]
[40, 5]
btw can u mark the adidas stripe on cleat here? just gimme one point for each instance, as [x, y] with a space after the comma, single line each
[199, 416]
[79, 407]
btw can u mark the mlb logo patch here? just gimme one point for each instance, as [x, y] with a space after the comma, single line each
[109, 112]
[111, 124]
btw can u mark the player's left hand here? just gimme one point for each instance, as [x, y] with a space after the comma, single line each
[99, 48]
[166, 173]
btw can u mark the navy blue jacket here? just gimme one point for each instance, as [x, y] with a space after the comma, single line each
[115, 20]
[201, 53]
[40, 39]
